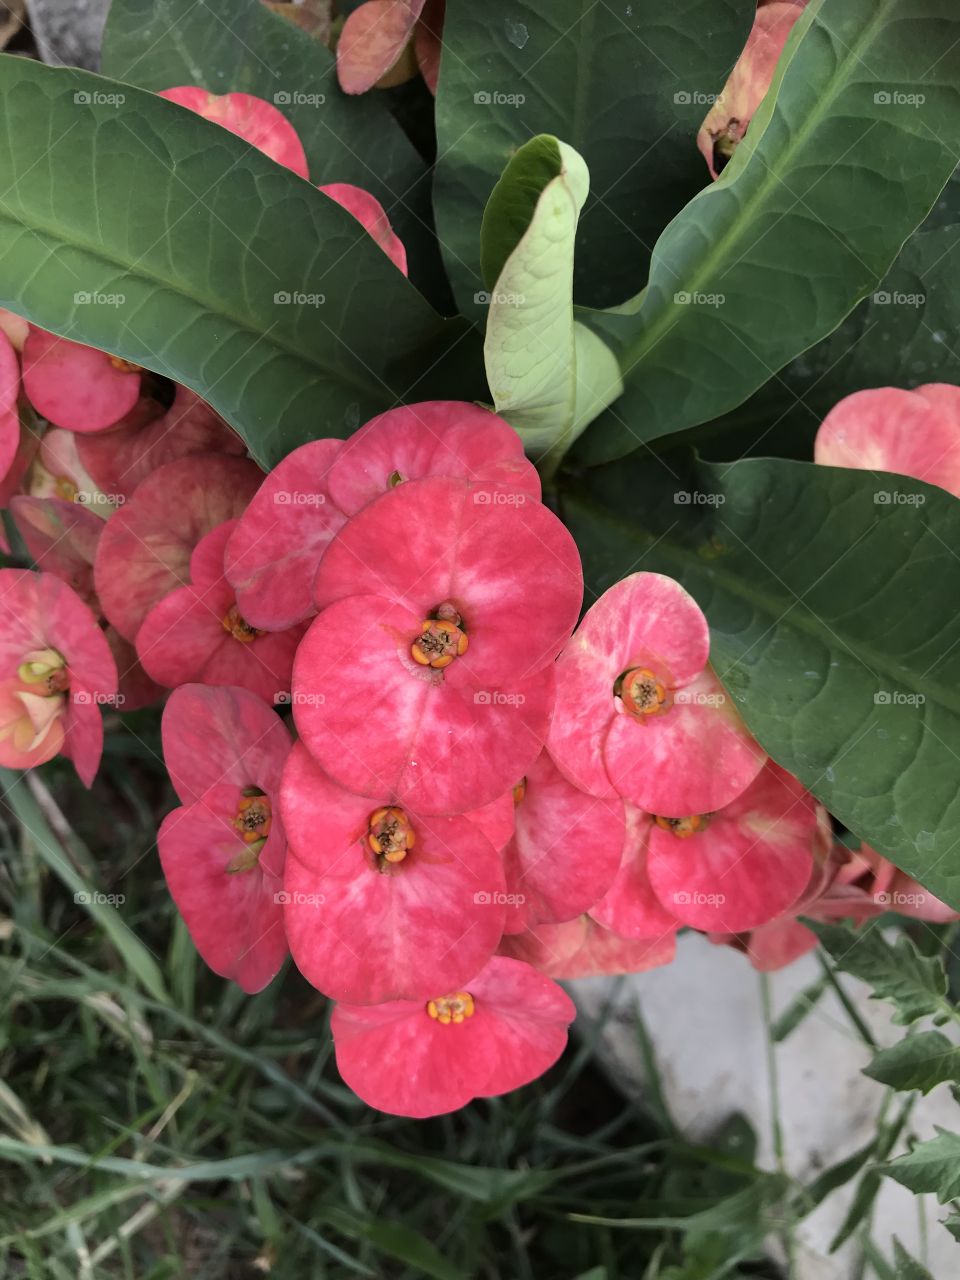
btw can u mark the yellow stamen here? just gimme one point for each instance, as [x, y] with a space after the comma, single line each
[453, 1008]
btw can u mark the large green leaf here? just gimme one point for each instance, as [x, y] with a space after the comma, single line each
[893, 967]
[212, 265]
[931, 1167]
[917, 1062]
[548, 375]
[626, 85]
[832, 601]
[843, 160]
[239, 45]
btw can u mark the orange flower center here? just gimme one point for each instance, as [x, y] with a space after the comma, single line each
[239, 628]
[442, 638]
[454, 1008]
[682, 828]
[46, 671]
[642, 692]
[64, 487]
[391, 835]
[252, 820]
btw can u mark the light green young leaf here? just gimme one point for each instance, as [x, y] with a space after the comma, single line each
[548, 375]
[895, 971]
[917, 1062]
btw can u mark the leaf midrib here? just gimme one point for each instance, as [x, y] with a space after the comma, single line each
[800, 615]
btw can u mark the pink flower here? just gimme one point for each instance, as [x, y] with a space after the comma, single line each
[61, 538]
[472, 591]
[372, 216]
[147, 438]
[640, 714]
[250, 118]
[197, 632]
[912, 433]
[425, 1058]
[582, 948]
[223, 851]
[630, 908]
[76, 387]
[375, 36]
[727, 120]
[9, 411]
[741, 866]
[144, 550]
[384, 903]
[56, 671]
[565, 851]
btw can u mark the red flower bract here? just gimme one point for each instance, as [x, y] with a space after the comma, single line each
[256, 121]
[223, 852]
[197, 633]
[638, 710]
[383, 902]
[145, 548]
[77, 387]
[56, 671]
[425, 1058]
[372, 216]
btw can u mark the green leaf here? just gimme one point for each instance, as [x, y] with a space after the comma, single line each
[548, 376]
[804, 573]
[917, 1062]
[777, 252]
[908, 1268]
[217, 267]
[240, 46]
[396, 1240]
[797, 1010]
[895, 971]
[625, 85]
[931, 1167]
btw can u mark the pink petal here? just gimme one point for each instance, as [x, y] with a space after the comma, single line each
[566, 849]
[222, 735]
[371, 215]
[250, 118]
[630, 908]
[272, 558]
[372, 40]
[9, 412]
[145, 548]
[234, 917]
[358, 933]
[73, 386]
[749, 864]
[434, 438]
[380, 724]
[508, 564]
[584, 949]
[428, 42]
[61, 538]
[912, 433]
